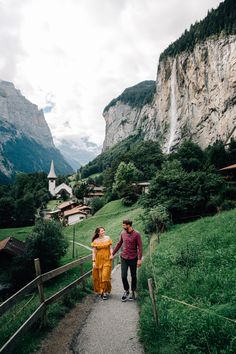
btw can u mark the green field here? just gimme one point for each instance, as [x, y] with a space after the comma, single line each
[18, 232]
[194, 263]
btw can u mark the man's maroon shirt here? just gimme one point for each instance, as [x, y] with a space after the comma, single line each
[131, 245]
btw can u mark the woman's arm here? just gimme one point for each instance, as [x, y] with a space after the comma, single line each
[94, 256]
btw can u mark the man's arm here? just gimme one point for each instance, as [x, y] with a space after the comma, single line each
[118, 246]
[140, 249]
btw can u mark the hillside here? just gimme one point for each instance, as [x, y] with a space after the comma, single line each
[135, 96]
[194, 263]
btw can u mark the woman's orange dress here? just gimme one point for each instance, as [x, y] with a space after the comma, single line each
[103, 265]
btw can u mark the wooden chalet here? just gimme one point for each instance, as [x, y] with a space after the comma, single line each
[229, 173]
[10, 247]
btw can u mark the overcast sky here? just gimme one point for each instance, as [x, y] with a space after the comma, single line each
[72, 57]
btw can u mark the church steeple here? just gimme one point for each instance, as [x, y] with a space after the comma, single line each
[52, 173]
[52, 179]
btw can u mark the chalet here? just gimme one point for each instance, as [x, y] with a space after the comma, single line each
[74, 215]
[95, 192]
[229, 173]
[70, 204]
[11, 246]
[142, 187]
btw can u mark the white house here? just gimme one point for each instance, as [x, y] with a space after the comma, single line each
[74, 215]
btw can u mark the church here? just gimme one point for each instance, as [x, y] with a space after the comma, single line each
[57, 190]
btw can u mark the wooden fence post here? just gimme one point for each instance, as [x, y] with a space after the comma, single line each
[40, 289]
[73, 248]
[152, 296]
[82, 273]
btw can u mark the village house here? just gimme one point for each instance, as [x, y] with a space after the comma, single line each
[142, 187]
[229, 173]
[74, 216]
[70, 212]
[95, 192]
[10, 247]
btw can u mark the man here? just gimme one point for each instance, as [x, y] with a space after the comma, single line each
[131, 257]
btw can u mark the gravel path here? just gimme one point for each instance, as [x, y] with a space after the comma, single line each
[97, 326]
[111, 326]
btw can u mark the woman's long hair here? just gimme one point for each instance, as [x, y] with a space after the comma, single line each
[96, 233]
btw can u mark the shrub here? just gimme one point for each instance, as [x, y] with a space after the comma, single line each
[96, 204]
[47, 243]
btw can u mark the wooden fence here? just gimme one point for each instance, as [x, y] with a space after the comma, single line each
[40, 312]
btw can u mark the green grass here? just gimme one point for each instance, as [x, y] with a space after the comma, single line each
[19, 232]
[110, 216]
[52, 204]
[195, 263]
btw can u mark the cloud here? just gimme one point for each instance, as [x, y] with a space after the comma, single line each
[71, 57]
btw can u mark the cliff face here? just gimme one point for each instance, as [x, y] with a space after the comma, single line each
[26, 143]
[195, 98]
[25, 116]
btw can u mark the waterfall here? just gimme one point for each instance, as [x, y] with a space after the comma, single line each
[173, 107]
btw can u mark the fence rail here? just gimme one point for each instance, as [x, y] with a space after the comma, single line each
[40, 312]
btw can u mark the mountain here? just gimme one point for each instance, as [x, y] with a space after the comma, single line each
[195, 90]
[78, 151]
[26, 143]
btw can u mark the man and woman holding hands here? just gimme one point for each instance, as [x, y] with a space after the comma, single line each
[131, 258]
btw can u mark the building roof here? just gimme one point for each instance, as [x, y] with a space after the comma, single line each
[66, 204]
[76, 210]
[52, 173]
[94, 194]
[84, 207]
[12, 246]
[231, 167]
[64, 186]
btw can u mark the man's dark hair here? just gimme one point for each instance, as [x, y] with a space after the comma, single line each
[127, 222]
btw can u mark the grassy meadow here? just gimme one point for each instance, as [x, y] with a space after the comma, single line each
[194, 263]
[18, 232]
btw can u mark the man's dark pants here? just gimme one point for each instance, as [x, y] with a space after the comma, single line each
[132, 264]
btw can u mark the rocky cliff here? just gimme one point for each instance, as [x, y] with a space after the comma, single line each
[195, 98]
[26, 142]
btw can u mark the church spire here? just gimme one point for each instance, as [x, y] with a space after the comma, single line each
[52, 174]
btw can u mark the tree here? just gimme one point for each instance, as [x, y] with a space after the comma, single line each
[191, 156]
[184, 194]
[7, 211]
[125, 176]
[47, 243]
[216, 154]
[148, 157]
[25, 210]
[96, 204]
[81, 190]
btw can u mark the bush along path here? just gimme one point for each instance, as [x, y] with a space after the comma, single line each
[111, 326]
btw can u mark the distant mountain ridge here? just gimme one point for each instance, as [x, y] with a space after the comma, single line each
[78, 151]
[26, 143]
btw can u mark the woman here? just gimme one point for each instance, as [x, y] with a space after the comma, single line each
[102, 262]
